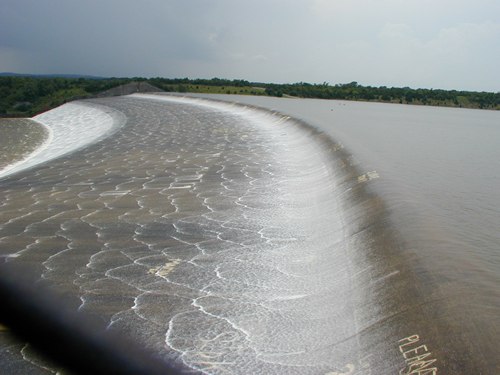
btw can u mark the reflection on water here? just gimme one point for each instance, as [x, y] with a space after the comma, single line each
[239, 241]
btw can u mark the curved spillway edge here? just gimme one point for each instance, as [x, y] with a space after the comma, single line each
[71, 127]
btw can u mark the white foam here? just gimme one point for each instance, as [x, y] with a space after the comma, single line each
[71, 127]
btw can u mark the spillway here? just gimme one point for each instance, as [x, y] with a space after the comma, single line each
[227, 238]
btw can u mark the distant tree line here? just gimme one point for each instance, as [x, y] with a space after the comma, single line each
[27, 96]
[406, 95]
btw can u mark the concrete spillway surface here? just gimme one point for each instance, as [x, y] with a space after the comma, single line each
[227, 238]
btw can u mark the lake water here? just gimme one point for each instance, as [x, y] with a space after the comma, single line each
[352, 238]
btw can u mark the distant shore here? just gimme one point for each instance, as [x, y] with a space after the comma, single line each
[31, 95]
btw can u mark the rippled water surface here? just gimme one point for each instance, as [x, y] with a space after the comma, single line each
[238, 240]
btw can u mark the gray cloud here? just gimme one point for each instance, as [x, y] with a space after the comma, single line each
[438, 43]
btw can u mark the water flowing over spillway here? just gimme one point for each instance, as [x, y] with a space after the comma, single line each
[70, 127]
[227, 238]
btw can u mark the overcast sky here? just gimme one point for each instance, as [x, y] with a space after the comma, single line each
[450, 44]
